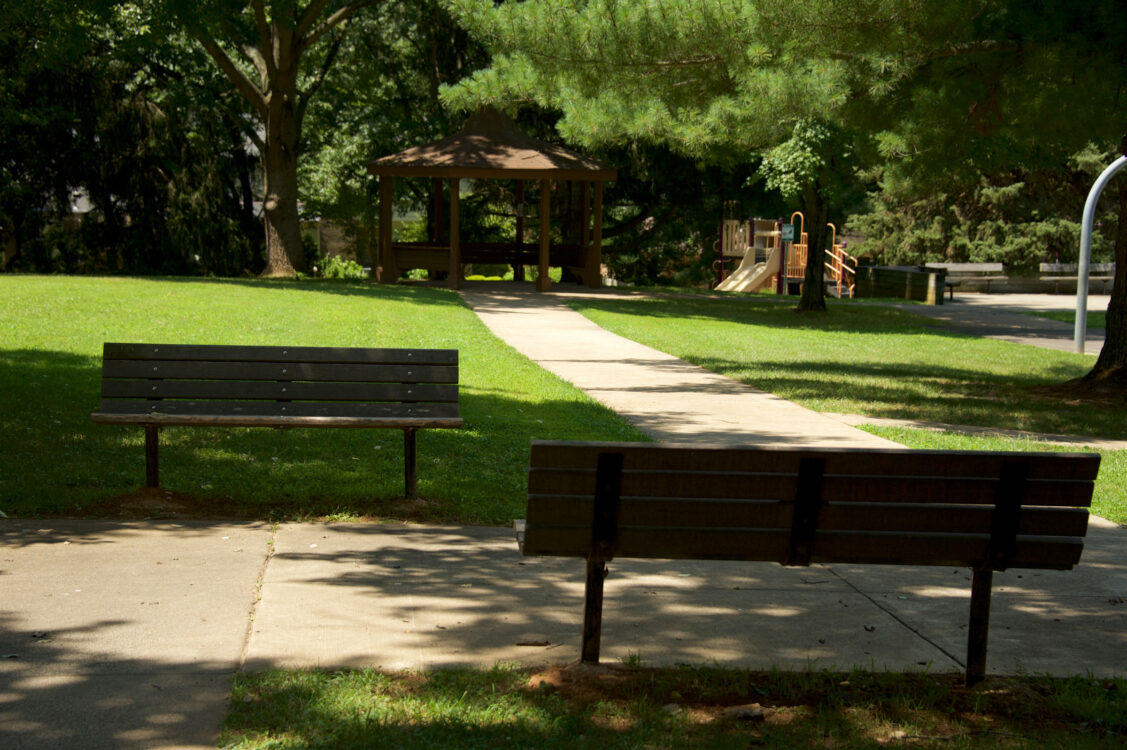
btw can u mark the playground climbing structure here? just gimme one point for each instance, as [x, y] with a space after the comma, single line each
[769, 255]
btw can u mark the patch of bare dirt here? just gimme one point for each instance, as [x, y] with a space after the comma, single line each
[150, 502]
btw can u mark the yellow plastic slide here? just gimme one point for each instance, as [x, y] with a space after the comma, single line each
[750, 276]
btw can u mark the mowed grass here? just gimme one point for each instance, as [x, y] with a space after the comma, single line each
[685, 707]
[870, 360]
[1096, 320]
[54, 459]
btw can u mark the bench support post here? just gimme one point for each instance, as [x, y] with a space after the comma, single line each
[979, 626]
[593, 611]
[152, 457]
[410, 468]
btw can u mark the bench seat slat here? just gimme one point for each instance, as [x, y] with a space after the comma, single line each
[134, 411]
[277, 391]
[310, 371]
[690, 514]
[926, 488]
[839, 462]
[220, 353]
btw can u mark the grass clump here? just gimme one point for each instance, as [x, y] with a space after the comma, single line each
[682, 707]
[54, 459]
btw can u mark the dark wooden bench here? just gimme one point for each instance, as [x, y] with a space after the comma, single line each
[985, 511]
[160, 385]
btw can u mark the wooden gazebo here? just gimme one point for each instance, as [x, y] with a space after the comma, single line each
[490, 146]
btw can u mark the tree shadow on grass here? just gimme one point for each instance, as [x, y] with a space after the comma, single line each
[946, 394]
[420, 294]
[839, 319]
[55, 460]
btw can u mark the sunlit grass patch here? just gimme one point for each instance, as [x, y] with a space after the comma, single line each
[685, 707]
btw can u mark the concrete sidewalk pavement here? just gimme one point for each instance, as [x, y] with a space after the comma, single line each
[1012, 317]
[122, 634]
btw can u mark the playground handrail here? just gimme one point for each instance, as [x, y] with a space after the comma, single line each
[840, 270]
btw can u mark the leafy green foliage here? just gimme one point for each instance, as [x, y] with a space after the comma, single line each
[336, 267]
[106, 112]
[1020, 217]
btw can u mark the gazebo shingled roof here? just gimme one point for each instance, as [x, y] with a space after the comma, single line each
[491, 146]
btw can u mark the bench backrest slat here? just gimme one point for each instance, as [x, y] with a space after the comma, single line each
[310, 371]
[776, 514]
[568, 455]
[263, 381]
[906, 507]
[277, 391]
[924, 487]
[221, 352]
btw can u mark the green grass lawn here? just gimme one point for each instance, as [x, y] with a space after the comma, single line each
[631, 707]
[862, 359]
[54, 459]
[1097, 319]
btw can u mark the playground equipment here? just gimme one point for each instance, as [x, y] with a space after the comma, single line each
[771, 251]
[841, 268]
[757, 245]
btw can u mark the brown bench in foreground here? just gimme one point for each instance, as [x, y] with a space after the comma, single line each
[984, 510]
[160, 385]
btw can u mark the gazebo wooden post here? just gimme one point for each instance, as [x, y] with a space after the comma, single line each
[543, 282]
[454, 280]
[584, 227]
[436, 230]
[518, 270]
[594, 270]
[387, 272]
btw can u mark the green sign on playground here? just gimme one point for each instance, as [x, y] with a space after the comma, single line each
[788, 233]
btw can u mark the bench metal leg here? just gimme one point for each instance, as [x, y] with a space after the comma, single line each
[593, 611]
[979, 625]
[410, 470]
[152, 459]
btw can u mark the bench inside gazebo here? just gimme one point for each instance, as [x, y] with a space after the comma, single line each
[491, 147]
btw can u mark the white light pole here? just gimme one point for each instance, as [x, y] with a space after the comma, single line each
[1089, 220]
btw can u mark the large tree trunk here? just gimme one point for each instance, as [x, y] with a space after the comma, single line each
[1111, 367]
[283, 232]
[814, 284]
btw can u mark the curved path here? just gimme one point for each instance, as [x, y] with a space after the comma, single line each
[665, 397]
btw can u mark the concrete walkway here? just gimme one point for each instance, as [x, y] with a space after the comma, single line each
[127, 634]
[1010, 317]
[665, 397]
